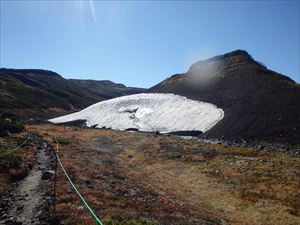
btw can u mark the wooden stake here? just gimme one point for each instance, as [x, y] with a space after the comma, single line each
[55, 178]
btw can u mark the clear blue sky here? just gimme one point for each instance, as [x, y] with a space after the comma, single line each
[141, 43]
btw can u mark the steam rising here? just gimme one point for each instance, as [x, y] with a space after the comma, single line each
[204, 72]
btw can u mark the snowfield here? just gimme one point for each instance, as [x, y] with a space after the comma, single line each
[149, 112]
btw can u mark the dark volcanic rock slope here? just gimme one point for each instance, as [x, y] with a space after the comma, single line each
[45, 94]
[258, 103]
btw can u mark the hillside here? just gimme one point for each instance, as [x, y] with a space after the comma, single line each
[44, 94]
[258, 103]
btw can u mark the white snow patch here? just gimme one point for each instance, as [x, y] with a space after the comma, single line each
[149, 112]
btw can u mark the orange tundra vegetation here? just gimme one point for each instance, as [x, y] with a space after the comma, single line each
[15, 166]
[143, 178]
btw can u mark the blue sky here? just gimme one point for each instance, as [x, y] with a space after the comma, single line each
[140, 43]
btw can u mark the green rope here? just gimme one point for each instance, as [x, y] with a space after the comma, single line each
[96, 218]
[16, 148]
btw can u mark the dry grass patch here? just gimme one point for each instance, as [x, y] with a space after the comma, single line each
[15, 166]
[168, 180]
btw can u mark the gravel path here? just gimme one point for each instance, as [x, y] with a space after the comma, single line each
[27, 201]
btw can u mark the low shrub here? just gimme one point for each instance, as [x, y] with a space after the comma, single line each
[10, 123]
[62, 141]
[128, 222]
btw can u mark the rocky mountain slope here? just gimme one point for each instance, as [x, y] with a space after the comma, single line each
[258, 103]
[41, 93]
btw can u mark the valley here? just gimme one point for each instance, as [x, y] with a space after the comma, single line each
[146, 178]
[149, 112]
[118, 145]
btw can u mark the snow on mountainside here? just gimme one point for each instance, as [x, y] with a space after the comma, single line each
[149, 112]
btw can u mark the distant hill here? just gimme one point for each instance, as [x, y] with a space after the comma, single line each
[258, 103]
[45, 94]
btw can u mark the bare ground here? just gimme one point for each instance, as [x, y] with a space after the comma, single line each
[28, 201]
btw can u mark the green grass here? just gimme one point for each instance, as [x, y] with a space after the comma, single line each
[13, 158]
[62, 141]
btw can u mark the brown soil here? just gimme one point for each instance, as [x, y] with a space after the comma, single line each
[168, 180]
[27, 200]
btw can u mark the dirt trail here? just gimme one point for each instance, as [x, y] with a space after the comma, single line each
[27, 201]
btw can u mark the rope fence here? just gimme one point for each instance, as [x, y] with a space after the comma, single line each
[89, 208]
[16, 148]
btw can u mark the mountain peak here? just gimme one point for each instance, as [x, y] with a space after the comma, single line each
[237, 52]
[228, 60]
[258, 103]
[243, 54]
[236, 56]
